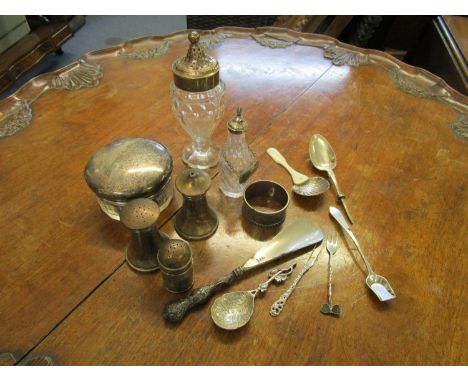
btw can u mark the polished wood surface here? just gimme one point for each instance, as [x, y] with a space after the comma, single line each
[400, 138]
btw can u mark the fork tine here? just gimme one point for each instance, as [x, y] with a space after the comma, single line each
[332, 241]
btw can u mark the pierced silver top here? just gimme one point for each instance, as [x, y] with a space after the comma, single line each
[139, 214]
[193, 182]
[174, 255]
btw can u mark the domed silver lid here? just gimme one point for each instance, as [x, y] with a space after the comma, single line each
[129, 168]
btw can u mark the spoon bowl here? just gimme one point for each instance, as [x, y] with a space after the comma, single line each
[233, 310]
[302, 184]
[321, 153]
[314, 186]
[323, 158]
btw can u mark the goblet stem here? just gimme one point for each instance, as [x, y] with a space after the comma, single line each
[201, 145]
[201, 154]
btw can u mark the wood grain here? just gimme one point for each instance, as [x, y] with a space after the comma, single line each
[52, 232]
[67, 292]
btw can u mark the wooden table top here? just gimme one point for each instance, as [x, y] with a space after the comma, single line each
[399, 134]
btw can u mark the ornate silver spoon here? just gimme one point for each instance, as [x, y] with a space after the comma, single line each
[233, 310]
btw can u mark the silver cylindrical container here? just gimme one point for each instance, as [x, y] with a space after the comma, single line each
[175, 263]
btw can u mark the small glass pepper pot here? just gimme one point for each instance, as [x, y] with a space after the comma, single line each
[198, 102]
[237, 162]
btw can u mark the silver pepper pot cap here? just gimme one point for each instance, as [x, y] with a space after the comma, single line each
[139, 214]
[193, 182]
[237, 125]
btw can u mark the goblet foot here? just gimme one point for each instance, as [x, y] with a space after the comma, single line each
[202, 159]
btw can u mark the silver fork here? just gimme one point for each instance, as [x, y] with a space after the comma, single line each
[332, 247]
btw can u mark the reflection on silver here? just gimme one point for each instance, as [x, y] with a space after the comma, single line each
[157, 169]
[300, 234]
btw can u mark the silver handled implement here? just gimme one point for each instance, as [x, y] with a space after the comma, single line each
[278, 305]
[332, 247]
[302, 184]
[300, 234]
[323, 158]
[378, 284]
[233, 310]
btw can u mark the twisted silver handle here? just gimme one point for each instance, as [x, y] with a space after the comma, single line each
[330, 280]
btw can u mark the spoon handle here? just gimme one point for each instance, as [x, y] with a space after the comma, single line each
[345, 207]
[278, 305]
[277, 276]
[340, 196]
[175, 311]
[296, 176]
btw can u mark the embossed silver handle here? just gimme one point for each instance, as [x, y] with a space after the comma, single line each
[278, 305]
[175, 311]
[277, 276]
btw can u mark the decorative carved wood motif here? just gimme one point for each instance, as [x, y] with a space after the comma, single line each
[39, 360]
[340, 56]
[83, 75]
[460, 126]
[7, 359]
[408, 83]
[212, 39]
[15, 119]
[76, 76]
[150, 53]
[274, 42]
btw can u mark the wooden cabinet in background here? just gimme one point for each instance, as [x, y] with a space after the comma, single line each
[44, 39]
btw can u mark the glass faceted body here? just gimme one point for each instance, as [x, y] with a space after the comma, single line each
[236, 164]
[199, 113]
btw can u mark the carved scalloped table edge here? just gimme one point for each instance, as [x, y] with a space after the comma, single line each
[85, 73]
[37, 360]
[78, 75]
[415, 81]
[8, 359]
